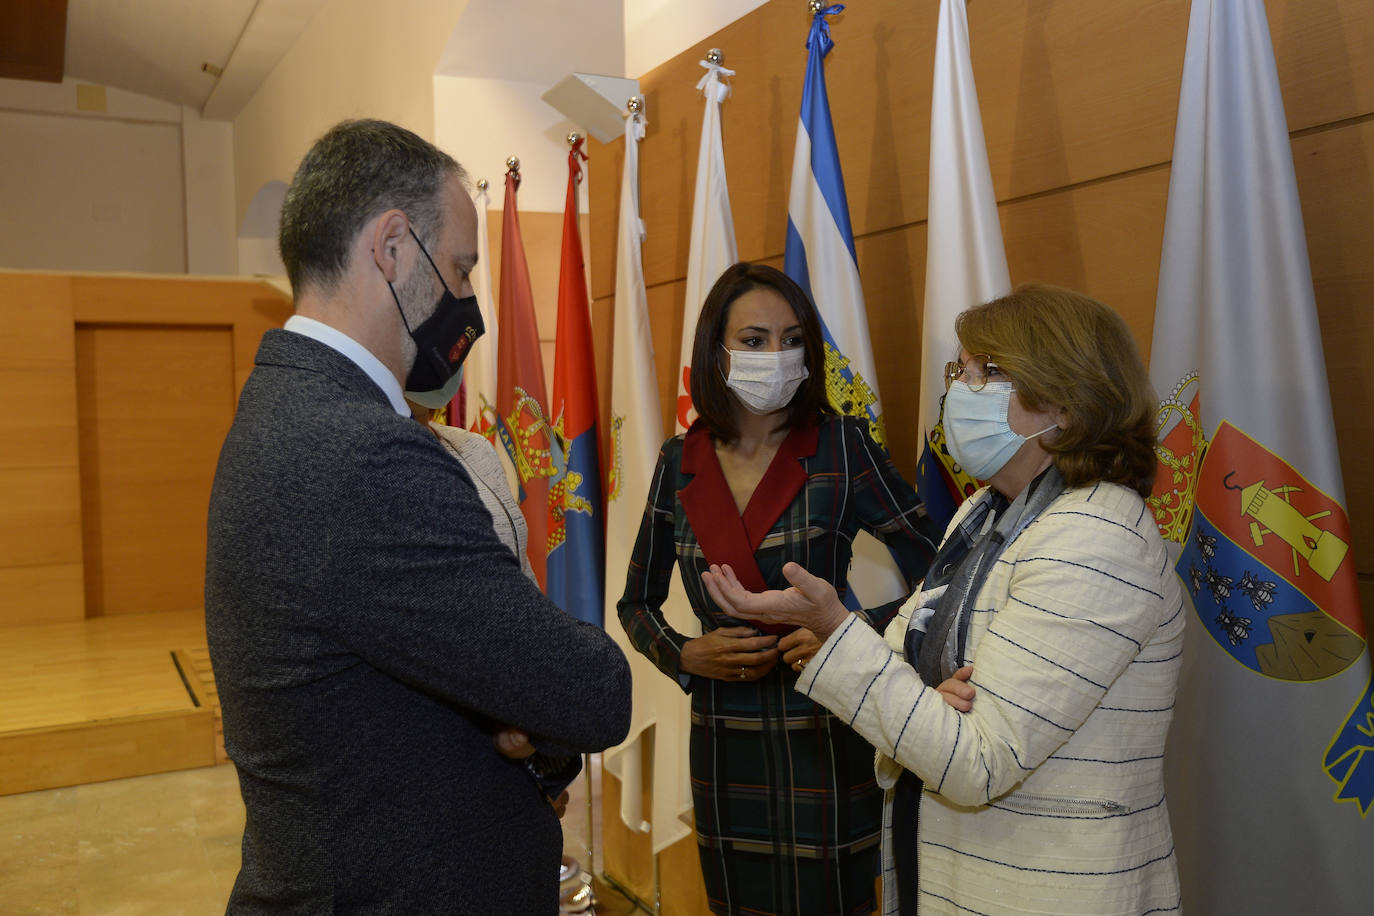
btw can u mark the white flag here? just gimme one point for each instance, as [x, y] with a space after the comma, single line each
[636, 434]
[479, 368]
[965, 262]
[712, 247]
[1270, 767]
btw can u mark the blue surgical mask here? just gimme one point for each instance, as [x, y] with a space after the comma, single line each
[977, 430]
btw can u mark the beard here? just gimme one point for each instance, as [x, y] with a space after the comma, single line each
[417, 300]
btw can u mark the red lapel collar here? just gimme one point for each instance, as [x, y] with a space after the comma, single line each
[780, 485]
[724, 535]
[711, 509]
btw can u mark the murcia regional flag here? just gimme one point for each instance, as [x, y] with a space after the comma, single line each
[820, 257]
[1270, 766]
[966, 264]
[712, 246]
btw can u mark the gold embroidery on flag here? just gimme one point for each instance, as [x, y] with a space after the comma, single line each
[1179, 454]
[617, 459]
[851, 396]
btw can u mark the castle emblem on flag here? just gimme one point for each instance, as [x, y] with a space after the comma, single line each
[850, 394]
[1266, 562]
[1266, 559]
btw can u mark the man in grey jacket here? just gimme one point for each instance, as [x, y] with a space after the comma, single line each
[370, 635]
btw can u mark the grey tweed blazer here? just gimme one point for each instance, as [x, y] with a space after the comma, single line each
[369, 633]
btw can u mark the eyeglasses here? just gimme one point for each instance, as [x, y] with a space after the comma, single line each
[976, 372]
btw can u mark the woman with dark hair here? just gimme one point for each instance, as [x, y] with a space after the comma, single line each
[787, 813]
[1054, 584]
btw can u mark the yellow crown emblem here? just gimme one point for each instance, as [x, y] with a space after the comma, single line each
[1179, 453]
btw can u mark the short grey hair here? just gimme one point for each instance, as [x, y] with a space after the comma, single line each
[356, 171]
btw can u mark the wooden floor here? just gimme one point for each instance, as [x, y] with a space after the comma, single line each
[104, 698]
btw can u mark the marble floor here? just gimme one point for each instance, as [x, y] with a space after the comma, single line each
[163, 845]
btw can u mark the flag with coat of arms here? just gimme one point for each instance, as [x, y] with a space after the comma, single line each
[966, 264]
[1270, 766]
[821, 258]
[575, 533]
[522, 423]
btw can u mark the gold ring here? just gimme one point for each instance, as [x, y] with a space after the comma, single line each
[801, 663]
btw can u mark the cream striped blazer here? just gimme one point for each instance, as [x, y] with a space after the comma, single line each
[1048, 797]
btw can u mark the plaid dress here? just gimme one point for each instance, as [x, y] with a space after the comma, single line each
[787, 809]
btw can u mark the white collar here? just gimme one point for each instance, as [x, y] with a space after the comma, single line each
[340, 342]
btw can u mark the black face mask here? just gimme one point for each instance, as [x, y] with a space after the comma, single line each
[442, 340]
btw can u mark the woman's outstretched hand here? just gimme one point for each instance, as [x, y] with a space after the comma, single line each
[811, 602]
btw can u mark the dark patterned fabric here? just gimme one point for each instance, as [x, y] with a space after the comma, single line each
[787, 810]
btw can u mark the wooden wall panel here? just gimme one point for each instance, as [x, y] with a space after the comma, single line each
[49, 593]
[1103, 237]
[542, 234]
[43, 529]
[155, 404]
[1324, 52]
[42, 515]
[1078, 101]
[40, 519]
[1335, 170]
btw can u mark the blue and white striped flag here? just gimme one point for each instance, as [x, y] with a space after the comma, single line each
[820, 257]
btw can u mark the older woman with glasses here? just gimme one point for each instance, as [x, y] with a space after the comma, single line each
[1054, 584]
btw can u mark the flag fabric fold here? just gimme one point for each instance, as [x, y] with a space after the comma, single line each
[965, 262]
[1270, 768]
[820, 256]
[636, 434]
[711, 250]
[475, 406]
[576, 537]
[712, 242]
[522, 418]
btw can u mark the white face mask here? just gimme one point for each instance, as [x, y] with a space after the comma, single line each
[439, 396]
[766, 381]
[980, 437]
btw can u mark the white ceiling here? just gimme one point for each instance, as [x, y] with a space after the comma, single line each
[528, 41]
[157, 47]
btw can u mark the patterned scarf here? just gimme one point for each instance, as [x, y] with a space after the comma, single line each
[956, 576]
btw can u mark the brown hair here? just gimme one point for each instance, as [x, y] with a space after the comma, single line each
[710, 396]
[1066, 351]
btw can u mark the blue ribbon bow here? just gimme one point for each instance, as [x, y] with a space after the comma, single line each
[820, 29]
